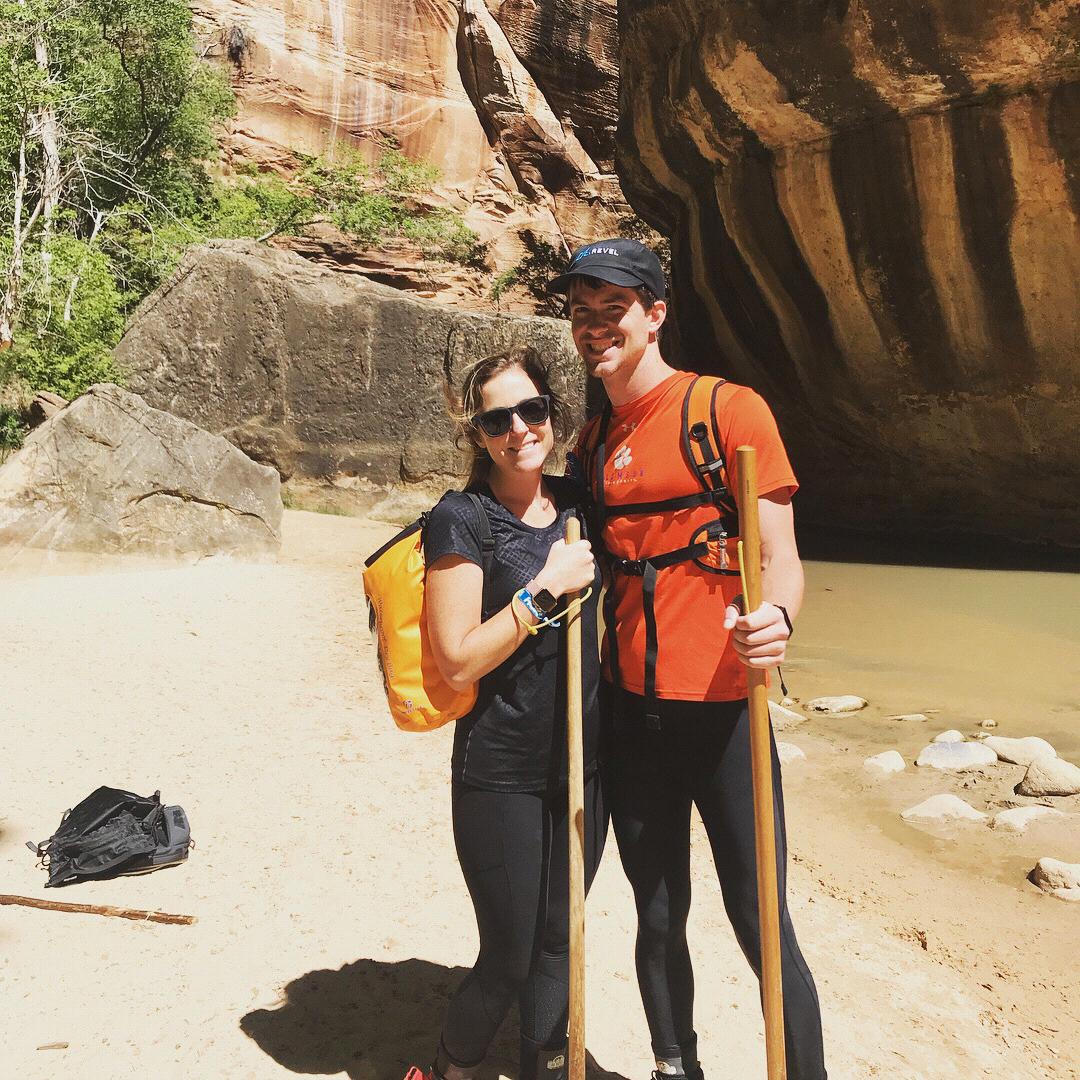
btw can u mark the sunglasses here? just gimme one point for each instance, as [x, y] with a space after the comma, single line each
[496, 422]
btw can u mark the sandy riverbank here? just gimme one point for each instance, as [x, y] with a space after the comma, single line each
[332, 919]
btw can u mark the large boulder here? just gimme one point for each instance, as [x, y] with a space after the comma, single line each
[316, 372]
[109, 473]
[875, 219]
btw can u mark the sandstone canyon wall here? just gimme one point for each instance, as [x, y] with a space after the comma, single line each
[514, 100]
[874, 209]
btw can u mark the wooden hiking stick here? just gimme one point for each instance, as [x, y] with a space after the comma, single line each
[575, 784]
[772, 994]
[98, 909]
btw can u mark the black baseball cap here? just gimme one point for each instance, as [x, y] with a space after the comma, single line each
[618, 261]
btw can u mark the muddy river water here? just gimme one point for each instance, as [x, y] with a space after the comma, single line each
[973, 644]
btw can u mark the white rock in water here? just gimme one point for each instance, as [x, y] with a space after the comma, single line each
[957, 756]
[1019, 751]
[1018, 819]
[782, 718]
[988, 724]
[1050, 776]
[1060, 878]
[942, 808]
[910, 716]
[789, 752]
[952, 735]
[889, 762]
[837, 704]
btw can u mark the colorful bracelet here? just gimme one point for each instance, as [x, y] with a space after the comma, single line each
[530, 627]
[550, 620]
[529, 604]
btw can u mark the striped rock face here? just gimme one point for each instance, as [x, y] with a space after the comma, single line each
[516, 101]
[874, 211]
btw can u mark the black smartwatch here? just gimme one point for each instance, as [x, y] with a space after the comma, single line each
[545, 601]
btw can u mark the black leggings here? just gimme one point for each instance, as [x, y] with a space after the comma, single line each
[700, 754]
[513, 852]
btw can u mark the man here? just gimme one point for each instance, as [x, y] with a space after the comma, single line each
[677, 645]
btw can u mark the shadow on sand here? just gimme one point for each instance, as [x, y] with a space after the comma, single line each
[371, 1021]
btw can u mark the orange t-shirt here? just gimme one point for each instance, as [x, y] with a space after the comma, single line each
[645, 462]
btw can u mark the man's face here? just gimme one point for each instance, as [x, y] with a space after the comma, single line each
[611, 328]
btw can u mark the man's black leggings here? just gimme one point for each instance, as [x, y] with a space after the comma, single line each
[700, 754]
[513, 852]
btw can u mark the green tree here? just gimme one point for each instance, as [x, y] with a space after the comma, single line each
[105, 112]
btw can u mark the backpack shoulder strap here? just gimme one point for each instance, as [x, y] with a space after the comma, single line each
[487, 547]
[701, 435]
[595, 469]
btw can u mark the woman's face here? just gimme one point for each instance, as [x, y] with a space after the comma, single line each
[525, 447]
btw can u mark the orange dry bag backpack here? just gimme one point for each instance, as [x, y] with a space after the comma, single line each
[420, 698]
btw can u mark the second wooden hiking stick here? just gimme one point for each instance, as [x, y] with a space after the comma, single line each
[575, 783]
[772, 994]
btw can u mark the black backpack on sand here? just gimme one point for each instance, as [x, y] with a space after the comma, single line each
[114, 832]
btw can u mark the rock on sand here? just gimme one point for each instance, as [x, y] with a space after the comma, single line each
[1018, 818]
[1050, 776]
[888, 762]
[838, 703]
[1019, 751]
[942, 808]
[952, 735]
[912, 716]
[789, 752]
[1058, 878]
[783, 718]
[956, 756]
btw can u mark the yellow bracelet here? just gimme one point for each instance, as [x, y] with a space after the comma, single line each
[528, 626]
[550, 620]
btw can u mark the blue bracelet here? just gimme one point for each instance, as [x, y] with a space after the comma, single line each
[529, 604]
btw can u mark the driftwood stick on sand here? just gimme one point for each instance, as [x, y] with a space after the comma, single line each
[98, 909]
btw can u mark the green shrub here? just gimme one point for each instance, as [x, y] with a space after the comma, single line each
[12, 431]
[542, 262]
[374, 203]
[68, 336]
[501, 282]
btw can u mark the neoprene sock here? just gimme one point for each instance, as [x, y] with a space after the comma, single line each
[446, 1069]
[538, 1063]
[672, 1069]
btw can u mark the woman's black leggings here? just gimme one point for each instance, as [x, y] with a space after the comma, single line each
[513, 848]
[699, 753]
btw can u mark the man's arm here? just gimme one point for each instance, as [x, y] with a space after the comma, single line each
[761, 637]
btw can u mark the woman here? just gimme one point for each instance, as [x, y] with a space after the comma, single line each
[509, 758]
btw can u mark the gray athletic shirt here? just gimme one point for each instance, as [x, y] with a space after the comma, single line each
[515, 737]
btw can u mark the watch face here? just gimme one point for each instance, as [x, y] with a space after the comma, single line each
[545, 601]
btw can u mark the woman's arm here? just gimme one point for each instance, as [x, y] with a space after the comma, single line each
[465, 648]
